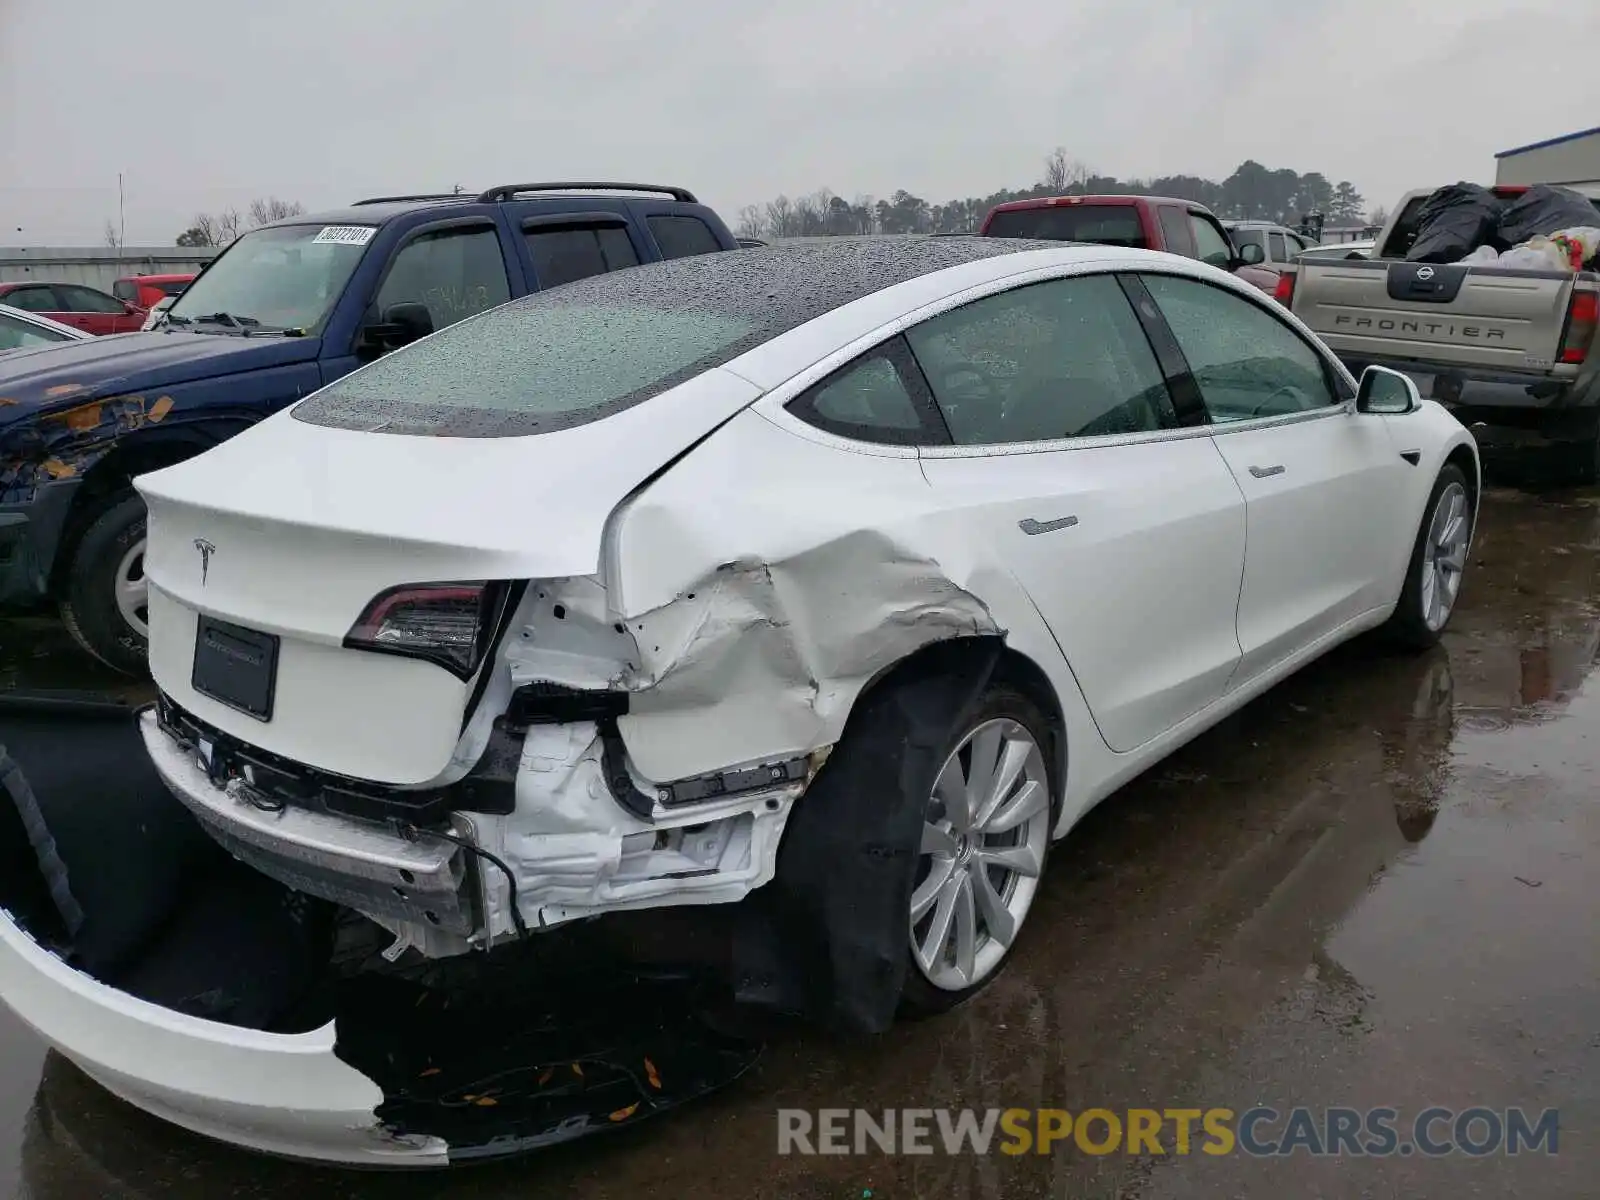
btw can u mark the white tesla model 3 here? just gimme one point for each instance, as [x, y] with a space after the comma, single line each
[833, 581]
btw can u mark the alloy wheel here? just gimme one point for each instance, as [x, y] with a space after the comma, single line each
[1444, 555]
[983, 845]
[133, 590]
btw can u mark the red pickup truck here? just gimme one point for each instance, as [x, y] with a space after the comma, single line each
[1139, 222]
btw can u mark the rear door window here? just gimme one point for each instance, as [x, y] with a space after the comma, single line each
[1062, 359]
[34, 298]
[456, 273]
[682, 236]
[1280, 250]
[88, 300]
[1103, 224]
[572, 252]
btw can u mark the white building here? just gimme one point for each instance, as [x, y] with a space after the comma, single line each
[1571, 160]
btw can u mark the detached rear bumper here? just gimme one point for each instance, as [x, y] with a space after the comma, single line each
[278, 1093]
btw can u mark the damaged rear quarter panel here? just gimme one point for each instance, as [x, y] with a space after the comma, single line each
[763, 599]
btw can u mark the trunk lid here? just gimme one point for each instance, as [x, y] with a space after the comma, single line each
[290, 530]
[1465, 316]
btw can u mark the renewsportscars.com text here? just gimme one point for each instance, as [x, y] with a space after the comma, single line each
[1258, 1132]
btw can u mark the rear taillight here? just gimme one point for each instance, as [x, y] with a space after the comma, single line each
[451, 624]
[1583, 317]
[1283, 293]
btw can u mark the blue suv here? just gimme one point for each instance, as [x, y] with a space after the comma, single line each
[285, 309]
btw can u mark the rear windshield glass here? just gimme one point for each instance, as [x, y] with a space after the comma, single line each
[517, 370]
[1103, 224]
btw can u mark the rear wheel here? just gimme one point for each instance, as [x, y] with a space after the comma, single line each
[105, 599]
[1438, 564]
[985, 838]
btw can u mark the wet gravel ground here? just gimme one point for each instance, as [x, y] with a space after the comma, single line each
[1374, 887]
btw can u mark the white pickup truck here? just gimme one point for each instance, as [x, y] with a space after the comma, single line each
[1511, 352]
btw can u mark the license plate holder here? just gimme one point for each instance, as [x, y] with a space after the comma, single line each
[236, 666]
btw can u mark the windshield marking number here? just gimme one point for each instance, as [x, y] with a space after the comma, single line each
[346, 235]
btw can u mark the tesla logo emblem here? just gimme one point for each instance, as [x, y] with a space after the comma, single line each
[206, 550]
[1425, 273]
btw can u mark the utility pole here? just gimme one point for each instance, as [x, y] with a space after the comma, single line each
[122, 220]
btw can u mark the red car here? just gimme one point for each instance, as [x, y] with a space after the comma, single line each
[1139, 222]
[147, 291]
[85, 308]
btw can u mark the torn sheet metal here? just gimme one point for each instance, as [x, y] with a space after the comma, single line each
[576, 852]
[65, 440]
[752, 661]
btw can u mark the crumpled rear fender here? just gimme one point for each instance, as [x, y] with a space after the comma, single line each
[766, 580]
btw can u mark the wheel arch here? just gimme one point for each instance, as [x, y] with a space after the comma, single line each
[977, 661]
[1464, 456]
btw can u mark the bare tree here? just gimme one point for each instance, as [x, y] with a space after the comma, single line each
[113, 237]
[811, 214]
[1378, 216]
[265, 211]
[1061, 173]
[780, 217]
[212, 229]
[751, 223]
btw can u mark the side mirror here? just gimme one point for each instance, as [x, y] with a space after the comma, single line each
[1387, 392]
[132, 309]
[1252, 254]
[401, 324]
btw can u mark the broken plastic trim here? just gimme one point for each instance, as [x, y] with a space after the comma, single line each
[277, 782]
[722, 784]
[613, 759]
[545, 703]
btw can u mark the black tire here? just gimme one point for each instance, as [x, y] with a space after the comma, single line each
[88, 602]
[922, 998]
[1408, 628]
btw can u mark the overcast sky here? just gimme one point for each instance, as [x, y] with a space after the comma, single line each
[203, 105]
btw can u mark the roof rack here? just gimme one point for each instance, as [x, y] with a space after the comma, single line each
[508, 191]
[407, 199]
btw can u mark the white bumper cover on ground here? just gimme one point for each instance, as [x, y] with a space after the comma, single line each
[284, 1094]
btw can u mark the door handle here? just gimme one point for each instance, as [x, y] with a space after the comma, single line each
[1032, 528]
[1265, 472]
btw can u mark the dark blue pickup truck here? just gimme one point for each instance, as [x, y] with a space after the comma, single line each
[284, 310]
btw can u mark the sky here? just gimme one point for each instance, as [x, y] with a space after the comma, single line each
[201, 106]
